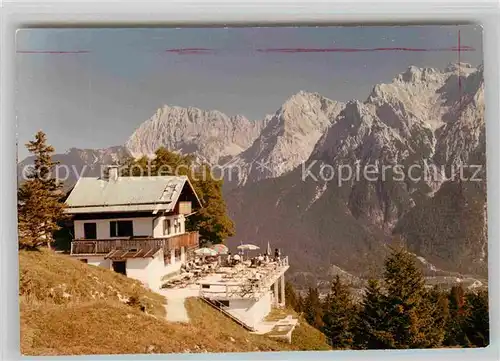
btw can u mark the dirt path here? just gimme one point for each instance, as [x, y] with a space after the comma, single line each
[176, 310]
[175, 307]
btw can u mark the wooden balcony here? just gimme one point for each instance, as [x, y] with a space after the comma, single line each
[187, 240]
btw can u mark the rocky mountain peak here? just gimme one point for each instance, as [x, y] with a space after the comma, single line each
[211, 134]
[300, 97]
[288, 137]
[423, 95]
[306, 112]
[417, 75]
[453, 67]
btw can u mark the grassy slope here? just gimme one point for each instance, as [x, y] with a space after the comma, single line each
[49, 278]
[308, 337]
[70, 308]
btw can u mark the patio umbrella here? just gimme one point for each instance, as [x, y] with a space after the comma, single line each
[248, 247]
[205, 252]
[220, 248]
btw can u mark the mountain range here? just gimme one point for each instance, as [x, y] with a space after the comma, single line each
[293, 178]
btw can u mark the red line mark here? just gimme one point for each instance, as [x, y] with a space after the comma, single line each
[198, 51]
[191, 51]
[188, 49]
[354, 50]
[52, 52]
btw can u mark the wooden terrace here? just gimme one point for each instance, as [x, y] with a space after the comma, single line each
[189, 241]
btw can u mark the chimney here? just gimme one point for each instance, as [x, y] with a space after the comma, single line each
[113, 173]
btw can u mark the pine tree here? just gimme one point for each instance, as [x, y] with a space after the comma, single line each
[299, 304]
[477, 323]
[40, 205]
[337, 316]
[409, 309]
[456, 299]
[291, 297]
[454, 333]
[372, 329]
[436, 304]
[313, 309]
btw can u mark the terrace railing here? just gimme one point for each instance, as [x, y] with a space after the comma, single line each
[246, 289]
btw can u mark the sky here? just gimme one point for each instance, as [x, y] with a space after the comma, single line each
[91, 88]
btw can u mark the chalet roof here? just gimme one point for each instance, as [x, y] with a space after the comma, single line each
[120, 254]
[126, 194]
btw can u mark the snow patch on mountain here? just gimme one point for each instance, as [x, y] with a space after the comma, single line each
[430, 266]
[319, 192]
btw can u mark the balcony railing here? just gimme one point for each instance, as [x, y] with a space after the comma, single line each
[104, 246]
